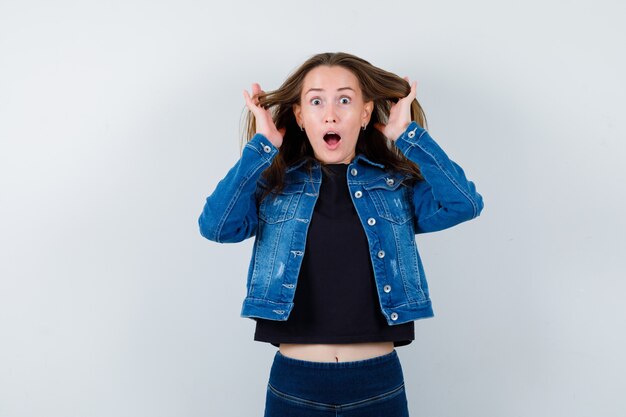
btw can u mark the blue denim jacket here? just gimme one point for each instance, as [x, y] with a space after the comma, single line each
[391, 214]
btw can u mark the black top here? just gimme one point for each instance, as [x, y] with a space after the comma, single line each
[336, 299]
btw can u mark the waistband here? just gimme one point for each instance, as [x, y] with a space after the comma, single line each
[336, 382]
[377, 360]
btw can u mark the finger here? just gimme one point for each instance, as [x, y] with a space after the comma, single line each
[408, 80]
[255, 91]
[409, 97]
[246, 97]
[414, 89]
[250, 104]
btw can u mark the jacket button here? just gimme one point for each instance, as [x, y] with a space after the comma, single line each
[371, 221]
[387, 288]
[358, 194]
[394, 316]
[381, 253]
[267, 148]
[389, 181]
[412, 133]
[353, 171]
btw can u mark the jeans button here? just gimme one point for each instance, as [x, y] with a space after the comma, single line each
[394, 316]
[358, 194]
[387, 288]
[371, 221]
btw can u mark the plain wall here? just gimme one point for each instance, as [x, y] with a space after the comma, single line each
[118, 118]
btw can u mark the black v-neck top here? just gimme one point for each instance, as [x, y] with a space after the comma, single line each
[336, 299]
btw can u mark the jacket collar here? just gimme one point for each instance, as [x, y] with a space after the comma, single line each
[359, 157]
[362, 157]
[296, 165]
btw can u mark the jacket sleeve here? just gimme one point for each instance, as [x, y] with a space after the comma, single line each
[446, 197]
[230, 212]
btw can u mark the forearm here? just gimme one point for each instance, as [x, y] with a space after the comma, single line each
[446, 197]
[229, 213]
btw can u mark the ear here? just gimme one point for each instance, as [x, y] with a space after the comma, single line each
[367, 111]
[296, 112]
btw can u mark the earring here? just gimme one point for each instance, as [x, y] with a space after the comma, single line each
[364, 127]
[302, 128]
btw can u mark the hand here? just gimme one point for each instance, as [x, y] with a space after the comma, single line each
[264, 123]
[399, 115]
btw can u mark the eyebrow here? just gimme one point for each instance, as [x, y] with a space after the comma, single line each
[321, 89]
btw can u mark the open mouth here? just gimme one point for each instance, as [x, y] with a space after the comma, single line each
[332, 139]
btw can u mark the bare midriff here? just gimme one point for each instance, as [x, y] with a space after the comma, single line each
[335, 352]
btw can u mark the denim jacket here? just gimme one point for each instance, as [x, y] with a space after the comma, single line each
[390, 212]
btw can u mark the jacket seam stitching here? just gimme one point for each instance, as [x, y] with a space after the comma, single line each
[451, 179]
[233, 201]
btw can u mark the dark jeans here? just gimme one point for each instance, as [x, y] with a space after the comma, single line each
[371, 387]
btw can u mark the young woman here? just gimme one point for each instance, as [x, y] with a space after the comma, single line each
[335, 180]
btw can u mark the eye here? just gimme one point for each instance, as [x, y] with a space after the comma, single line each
[313, 100]
[347, 100]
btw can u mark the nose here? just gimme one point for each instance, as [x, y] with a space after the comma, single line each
[330, 116]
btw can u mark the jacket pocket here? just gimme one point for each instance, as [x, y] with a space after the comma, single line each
[276, 208]
[391, 198]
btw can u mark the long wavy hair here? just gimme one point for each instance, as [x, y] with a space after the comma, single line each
[377, 85]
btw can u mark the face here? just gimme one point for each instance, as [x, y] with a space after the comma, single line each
[331, 101]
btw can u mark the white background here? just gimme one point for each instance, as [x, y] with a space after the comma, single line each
[118, 118]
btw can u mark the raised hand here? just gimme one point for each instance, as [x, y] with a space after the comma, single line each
[264, 123]
[399, 115]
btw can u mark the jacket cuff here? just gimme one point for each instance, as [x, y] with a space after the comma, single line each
[263, 147]
[410, 137]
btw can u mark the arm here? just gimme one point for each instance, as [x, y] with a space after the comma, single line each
[230, 212]
[446, 197]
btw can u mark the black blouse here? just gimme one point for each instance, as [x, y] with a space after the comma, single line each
[336, 299]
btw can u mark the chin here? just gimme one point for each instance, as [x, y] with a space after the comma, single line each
[332, 156]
